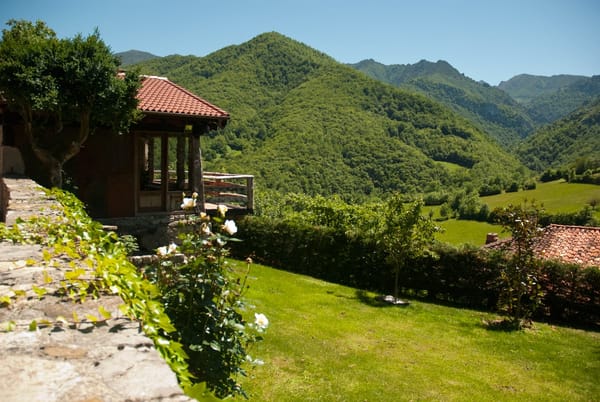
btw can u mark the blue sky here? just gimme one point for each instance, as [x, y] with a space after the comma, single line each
[485, 40]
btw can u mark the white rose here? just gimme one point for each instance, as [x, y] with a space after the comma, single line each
[229, 227]
[261, 320]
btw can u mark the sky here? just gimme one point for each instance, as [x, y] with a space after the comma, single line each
[488, 40]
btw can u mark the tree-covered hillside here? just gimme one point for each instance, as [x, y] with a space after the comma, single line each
[524, 88]
[134, 56]
[491, 109]
[550, 107]
[565, 142]
[302, 122]
[548, 99]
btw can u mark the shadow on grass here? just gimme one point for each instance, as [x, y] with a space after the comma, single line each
[378, 301]
[508, 325]
[502, 325]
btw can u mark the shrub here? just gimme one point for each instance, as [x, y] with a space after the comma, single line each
[530, 185]
[463, 275]
[513, 187]
[203, 298]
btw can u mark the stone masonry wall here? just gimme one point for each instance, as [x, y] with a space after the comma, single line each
[85, 362]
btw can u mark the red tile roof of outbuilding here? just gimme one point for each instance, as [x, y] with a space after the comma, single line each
[572, 244]
[575, 244]
[159, 95]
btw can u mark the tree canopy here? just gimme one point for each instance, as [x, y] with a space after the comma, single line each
[63, 89]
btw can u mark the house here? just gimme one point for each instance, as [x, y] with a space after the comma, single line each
[149, 170]
[136, 181]
[571, 244]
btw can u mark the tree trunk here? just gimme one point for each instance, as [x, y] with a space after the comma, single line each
[54, 164]
[396, 274]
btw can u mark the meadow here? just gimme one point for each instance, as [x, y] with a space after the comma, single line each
[554, 197]
[328, 342]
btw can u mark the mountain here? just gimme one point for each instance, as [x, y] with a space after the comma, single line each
[525, 87]
[564, 142]
[490, 108]
[302, 122]
[134, 56]
[552, 106]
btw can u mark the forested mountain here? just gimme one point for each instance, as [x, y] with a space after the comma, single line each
[524, 88]
[303, 122]
[134, 56]
[566, 141]
[552, 106]
[492, 109]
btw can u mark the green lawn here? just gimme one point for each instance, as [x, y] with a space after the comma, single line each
[332, 343]
[555, 197]
[457, 231]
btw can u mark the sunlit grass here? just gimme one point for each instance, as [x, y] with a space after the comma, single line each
[455, 231]
[554, 197]
[332, 343]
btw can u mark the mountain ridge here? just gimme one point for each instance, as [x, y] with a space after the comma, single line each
[303, 122]
[494, 111]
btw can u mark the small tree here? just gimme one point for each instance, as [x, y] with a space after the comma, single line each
[520, 293]
[63, 89]
[405, 233]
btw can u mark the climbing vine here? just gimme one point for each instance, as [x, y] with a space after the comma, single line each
[99, 265]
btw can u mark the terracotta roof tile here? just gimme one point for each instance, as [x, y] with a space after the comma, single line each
[576, 244]
[571, 244]
[159, 95]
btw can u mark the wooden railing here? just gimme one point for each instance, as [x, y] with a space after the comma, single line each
[236, 191]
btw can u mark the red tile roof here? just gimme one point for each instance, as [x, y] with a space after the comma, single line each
[575, 244]
[571, 244]
[159, 95]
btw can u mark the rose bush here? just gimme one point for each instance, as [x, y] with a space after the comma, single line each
[203, 298]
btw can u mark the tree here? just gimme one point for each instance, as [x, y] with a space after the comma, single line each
[520, 293]
[63, 89]
[406, 234]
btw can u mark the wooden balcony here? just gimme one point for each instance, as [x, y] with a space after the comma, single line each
[235, 191]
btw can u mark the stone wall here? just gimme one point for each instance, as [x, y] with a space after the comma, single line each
[62, 361]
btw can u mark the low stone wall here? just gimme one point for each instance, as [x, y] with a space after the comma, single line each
[42, 359]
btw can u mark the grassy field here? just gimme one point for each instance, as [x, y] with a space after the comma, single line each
[555, 197]
[332, 343]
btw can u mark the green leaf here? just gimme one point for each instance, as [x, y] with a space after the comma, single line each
[19, 293]
[5, 300]
[33, 325]
[40, 292]
[91, 318]
[47, 278]
[104, 312]
[71, 275]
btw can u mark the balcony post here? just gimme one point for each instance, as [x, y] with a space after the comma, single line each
[198, 180]
[250, 193]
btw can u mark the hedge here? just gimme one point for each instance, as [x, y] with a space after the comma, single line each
[465, 276]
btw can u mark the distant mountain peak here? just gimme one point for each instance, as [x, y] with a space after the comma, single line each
[134, 56]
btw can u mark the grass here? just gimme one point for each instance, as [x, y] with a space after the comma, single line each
[555, 197]
[456, 231]
[327, 342]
